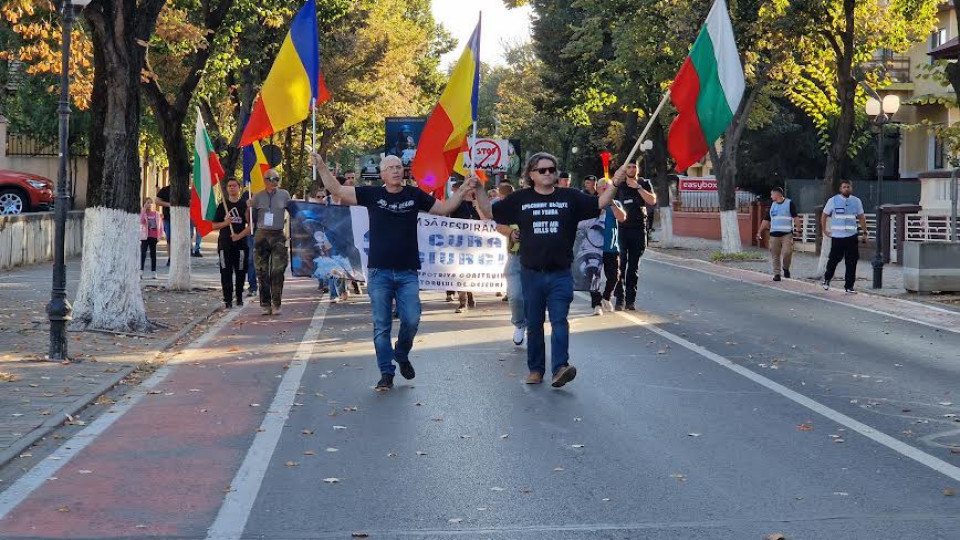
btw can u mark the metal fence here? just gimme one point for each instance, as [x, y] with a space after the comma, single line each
[807, 194]
[709, 201]
[919, 228]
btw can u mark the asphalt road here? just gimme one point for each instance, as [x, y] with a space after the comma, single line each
[673, 444]
[721, 410]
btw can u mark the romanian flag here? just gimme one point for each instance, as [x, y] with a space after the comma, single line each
[294, 83]
[206, 172]
[445, 134]
[254, 166]
[707, 90]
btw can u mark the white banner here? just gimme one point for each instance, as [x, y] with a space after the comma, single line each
[455, 254]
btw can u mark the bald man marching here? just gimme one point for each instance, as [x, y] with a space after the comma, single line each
[394, 256]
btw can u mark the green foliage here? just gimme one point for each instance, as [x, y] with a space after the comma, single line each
[746, 256]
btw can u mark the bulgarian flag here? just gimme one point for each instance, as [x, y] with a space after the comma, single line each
[206, 172]
[707, 90]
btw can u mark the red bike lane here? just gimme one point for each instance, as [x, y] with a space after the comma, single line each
[164, 467]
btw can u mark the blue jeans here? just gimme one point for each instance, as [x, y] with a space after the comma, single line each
[515, 291]
[384, 286]
[553, 292]
[193, 231]
[336, 286]
[166, 231]
[251, 267]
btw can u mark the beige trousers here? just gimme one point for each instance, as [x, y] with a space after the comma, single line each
[781, 250]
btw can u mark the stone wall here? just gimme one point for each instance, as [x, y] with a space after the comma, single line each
[29, 238]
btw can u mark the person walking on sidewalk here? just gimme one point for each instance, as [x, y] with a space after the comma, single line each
[844, 211]
[612, 217]
[232, 219]
[163, 201]
[151, 229]
[270, 242]
[781, 220]
[635, 193]
[394, 256]
[547, 217]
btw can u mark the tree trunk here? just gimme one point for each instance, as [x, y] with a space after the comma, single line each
[846, 94]
[109, 295]
[179, 278]
[659, 172]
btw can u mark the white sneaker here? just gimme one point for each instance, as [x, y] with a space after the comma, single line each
[598, 311]
[154, 275]
[607, 305]
[518, 335]
[849, 291]
[826, 285]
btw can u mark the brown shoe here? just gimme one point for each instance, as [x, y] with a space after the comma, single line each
[535, 377]
[566, 374]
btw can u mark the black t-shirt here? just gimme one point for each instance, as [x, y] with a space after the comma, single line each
[466, 210]
[634, 204]
[548, 224]
[238, 219]
[164, 194]
[393, 225]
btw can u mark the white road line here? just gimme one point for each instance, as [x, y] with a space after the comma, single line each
[33, 479]
[831, 300]
[233, 515]
[901, 448]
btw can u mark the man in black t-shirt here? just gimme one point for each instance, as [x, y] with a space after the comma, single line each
[635, 194]
[232, 219]
[394, 257]
[547, 217]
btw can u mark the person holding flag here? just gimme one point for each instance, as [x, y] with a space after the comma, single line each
[270, 244]
[394, 256]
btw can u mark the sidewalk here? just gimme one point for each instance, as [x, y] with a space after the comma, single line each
[804, 267]
[37, 395]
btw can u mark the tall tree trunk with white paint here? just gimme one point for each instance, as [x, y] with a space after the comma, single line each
[179, 277]
[666, 226]
[730, 232]
[109, 295]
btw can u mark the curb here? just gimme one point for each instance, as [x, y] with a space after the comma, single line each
[52, 423]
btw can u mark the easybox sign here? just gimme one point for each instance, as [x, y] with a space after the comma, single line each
[697, 184]
[487, 154]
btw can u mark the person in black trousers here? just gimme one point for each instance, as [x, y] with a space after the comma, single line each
[634, 195]
[232, 219]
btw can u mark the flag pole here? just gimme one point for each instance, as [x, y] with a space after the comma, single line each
[643, 135]
[226, 213]
[313, 108]
[476, 114]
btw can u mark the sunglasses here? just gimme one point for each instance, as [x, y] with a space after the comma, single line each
[546, 170]
[272, 178]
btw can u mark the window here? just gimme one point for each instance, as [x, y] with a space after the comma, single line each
[938, 153]
[937, 38]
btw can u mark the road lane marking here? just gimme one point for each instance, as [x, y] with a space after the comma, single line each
[47, 468]
[233, 514]
[830, 300]
[900, 447]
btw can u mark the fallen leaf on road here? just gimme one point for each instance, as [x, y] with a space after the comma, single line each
[420, 453]
[805, 427]
[350, 409]
[577, 445]
[454, 521]
[418, 404]
[291, 464]
[307, 432]
[955, 450]
[496, 489]
[339, 428]
[466, 436]
[605, 499]
[84, 471]
[309, 453]
[437, 419]
[577, 419]
[254, 404]
[558, 469]
[332, 450]
[505, 435]
[360, 535]
[679, 477]
[392, 454]
[693, 434]
[526, 490]
[775, 536]
[945, 403]
[662, 351]
[332, 480]
[63, 509]
[949, 492]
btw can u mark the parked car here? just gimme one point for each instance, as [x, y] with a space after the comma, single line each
[24, 192]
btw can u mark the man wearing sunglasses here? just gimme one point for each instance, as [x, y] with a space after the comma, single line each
[547, 217]
[270, 244]
[394, 256]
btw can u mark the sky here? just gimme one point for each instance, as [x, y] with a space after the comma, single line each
[500, 26]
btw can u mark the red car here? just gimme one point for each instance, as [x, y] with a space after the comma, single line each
[23, 192]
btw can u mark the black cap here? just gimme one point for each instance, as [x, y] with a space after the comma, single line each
[564, 174]
[590, 178]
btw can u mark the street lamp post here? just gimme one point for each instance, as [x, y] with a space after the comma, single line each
[881, 113]
[59, 309]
